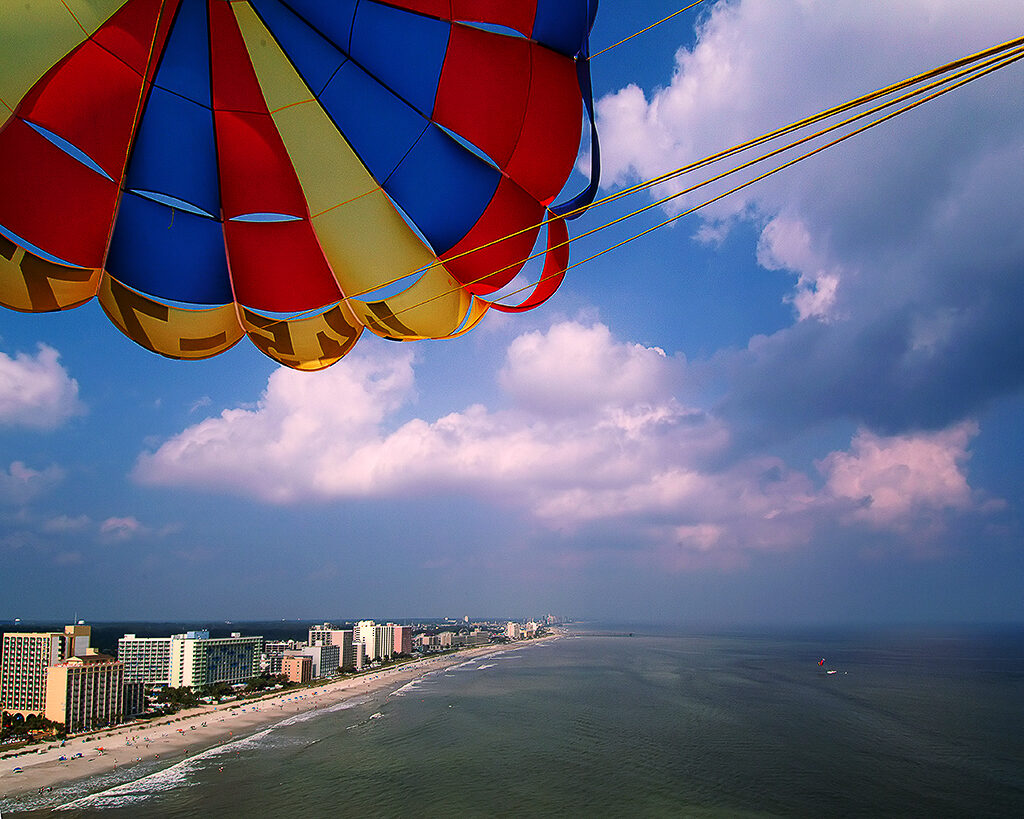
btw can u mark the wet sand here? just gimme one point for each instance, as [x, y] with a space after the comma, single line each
[197, 729]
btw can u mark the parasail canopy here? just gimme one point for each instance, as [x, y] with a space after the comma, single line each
[291, 170]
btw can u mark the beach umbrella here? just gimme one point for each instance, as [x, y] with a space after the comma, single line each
[293, 171]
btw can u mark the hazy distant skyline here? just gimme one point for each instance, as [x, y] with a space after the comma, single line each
[803, 405]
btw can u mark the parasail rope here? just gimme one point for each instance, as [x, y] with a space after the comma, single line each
[964, 76]
[821, 115]
[641, 31]
[1014, 57]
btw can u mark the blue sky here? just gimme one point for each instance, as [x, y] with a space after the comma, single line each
[801, 405]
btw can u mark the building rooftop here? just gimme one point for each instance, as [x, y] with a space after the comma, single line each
[91, 656]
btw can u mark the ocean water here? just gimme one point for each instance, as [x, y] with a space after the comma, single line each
[913, 723]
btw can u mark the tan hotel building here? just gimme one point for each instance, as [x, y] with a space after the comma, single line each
[297, 667]
[85, 692]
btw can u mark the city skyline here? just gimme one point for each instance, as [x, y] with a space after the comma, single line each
[60, 675]
[800, 405]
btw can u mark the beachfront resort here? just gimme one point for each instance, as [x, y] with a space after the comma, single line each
[55, 684]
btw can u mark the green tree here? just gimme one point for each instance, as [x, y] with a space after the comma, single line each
[177, 698]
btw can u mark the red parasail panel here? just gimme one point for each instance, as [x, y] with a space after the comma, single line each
[278, 267]
[510, 210]
[256, 175]
[550, 138]
[484, 89]
[235, 87]
[128, 34]
[556, 260]
[52, 200]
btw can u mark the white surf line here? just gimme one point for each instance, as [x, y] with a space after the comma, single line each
[167, 778]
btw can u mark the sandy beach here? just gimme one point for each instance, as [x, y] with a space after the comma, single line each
[197, 729]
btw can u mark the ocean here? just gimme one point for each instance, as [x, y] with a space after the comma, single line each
[632, 722]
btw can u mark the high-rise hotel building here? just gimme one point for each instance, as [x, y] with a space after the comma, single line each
[190, 659]
[146, 659]
[326, 658]
[85, 692]
[365, 634]
[378, 640]
[198, 660]
[385, 641]
[24, 660]
[403, 639]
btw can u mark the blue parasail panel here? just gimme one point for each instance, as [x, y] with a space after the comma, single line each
[443, 187]
[379, 126]
[564, 25]
[332, 18]
[403, 51]
[175, 153]
[185, 63]
[169, 253]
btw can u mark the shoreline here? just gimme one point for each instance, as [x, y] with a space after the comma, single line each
[190, 732]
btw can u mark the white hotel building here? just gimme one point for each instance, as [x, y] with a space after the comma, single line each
[193, 659]
[378, 640]
[146, 659]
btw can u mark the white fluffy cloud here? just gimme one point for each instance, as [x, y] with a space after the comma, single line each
[626, 457]
[905, 242]
[785, 244]
[310, 434]
[761, 64]
[577, 369]
[893, 480]
[36, 391]
[583, 407]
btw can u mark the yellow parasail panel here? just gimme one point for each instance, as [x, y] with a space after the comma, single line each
[311, 343]
[368, 245]
[34, 285]
[94, 13]
[171, 331]
[434, 307]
